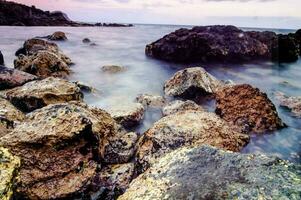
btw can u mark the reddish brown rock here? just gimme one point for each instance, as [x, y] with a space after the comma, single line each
[58, 36]
[248, 108]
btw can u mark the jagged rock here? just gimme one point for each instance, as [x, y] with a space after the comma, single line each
[9, 166]
[128, 115]
[151, 100]
[248, 108]
[113, 180]
[187, 128]
[292, 103]
[10, 78]
[59, 150]
[178, 105]
[204, 172]
[37, 94]
[113, 69]
[58, 36]
[9, 115]
[84, 87]
[1, 59]
[86, 40]
[191, 82]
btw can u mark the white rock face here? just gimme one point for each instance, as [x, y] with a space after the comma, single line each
[178, 105]
[128, 115]
[151, 100]
[191, 81]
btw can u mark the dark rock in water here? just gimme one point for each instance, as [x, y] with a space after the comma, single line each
[114, 25]
[298, 38]
[15, 14]
[292, 103]
[1, 59]
[288, 49]
[10, 78]
[204, 172]
[248, 108]
[221, 44]
[86, 40]
[57, 36]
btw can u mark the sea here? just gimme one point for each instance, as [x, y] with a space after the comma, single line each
[144, 75]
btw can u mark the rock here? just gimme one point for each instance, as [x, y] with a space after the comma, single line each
[58, 36]
[9, 116]
[151, 100]
[128, 115]
[204, 172]
[248, 108]
[93, 44]
[37, 94]
[298, 38]
[114, 25]
[288, 49]
[113, 180]
[9, 166]
[113, 69]
[59, 150]
[1, 59]
[184, 129]
[84, 87]
[292, 103]
[86, 40]
[178, 105]
[10, 78]
[43, 64]
[190, 82]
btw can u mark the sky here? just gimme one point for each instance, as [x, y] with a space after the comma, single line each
[243, 13]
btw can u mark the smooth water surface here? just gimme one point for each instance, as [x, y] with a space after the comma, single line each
[125, 47]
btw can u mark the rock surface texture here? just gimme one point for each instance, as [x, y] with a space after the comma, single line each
[37, 94]
[1, 59]
[208, 173]
[248, 108]
[58, 36]
[10, 78]
[178, 105]
[184, 129]
[191, 82]
[151, 100]
[112, 69]
[292, 103]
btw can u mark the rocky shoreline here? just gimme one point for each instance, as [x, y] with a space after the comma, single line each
[54, 146]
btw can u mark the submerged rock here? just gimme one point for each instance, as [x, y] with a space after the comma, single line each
[184, 129]
[178, 105]
[1, 59]
[151, 100]
[292, 103]
[9, 166]
[10, 78]
[204, 172]
[128, 115]
[84, 87]
[58, 36]
[59, 147]
[248, 108]
[190, 82]
[113, 69]
[37, 94]
[86, 40]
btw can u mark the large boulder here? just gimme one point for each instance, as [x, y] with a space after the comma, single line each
[191, 82]
[248, 108]
[288, 49]
[37, 94]
[1, 59]
[178, 105]
[292, 103]
[128, 115]
[9, 166]
[204, 172]
[59, 146]
[184, 129]
[149, 100]
[9, 116]
[57, 36]
[298, 38]
[10, 78]
[208, 43]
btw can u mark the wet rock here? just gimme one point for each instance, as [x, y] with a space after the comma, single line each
[248, 108]
[151, 100]
[292, 103]
[178, 105]
[190, 82]
[9, 116]
[288, 49]
[43, 64]
[10, 78]
[84, 87]
[113, 180]
[128, 115]
[184, 129]
[37, 94]
[59, 150]
[9, 166]
[1, 59]
[93, 44]
[86, 40]
[113, 69]
[58, 36]
[204, 172]
[298, 38]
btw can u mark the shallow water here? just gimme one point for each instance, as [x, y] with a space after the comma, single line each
[125, 46]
